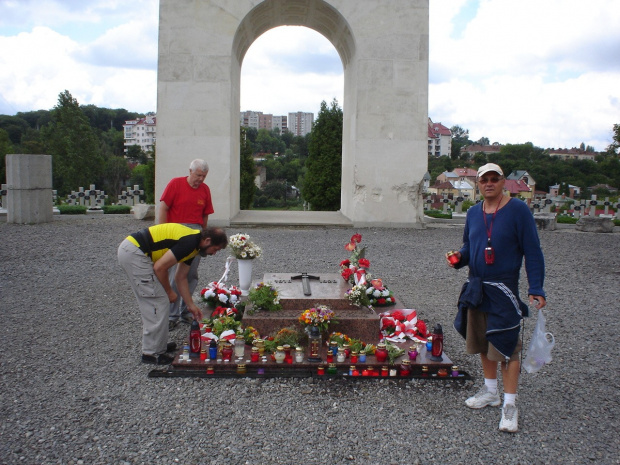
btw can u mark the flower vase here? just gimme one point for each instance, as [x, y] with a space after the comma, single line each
[245, 276]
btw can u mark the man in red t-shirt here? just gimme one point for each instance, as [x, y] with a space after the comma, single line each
[186, 200]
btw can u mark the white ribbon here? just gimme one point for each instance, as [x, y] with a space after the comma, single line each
[224, 277]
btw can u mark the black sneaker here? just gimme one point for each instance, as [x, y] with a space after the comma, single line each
[171, 347]
[158, 359]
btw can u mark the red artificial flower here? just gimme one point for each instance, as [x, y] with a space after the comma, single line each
[220, 291]
[350, 246]
[204, 291]
[356, 238]
[364, 262]
[397, 315]
[381, 301]
[377, 284]
[422, 328]
[345, 263]
[346, 273]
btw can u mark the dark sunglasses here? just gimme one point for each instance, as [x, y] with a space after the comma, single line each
[493, 180]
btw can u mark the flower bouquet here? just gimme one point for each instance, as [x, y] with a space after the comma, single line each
[354, 269]
[320, 316]
[217, 294]
[399, 325]
[285, 336]
[243, 248]
[232, 312]
[222, 328]
[264, 297]
[250, 334]
[357, 296]
[379, 295]
[356, 345]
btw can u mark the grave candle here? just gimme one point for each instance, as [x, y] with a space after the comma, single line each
[353, 357]
[455, 371]
[362, 356]
[320, 370]
[429, 344]
[405, 368]
[385, 371]
[280, 355]
[210, 370]
[227, 352]
[331, 369]
[212, 349]
[381, 353]
[334, 348]
[424, 371]
[341, 355]
[299, 355]
[203, 354]
[241, 369]
[412, 353]
[239, 346]
[255, 355]
[330, 356]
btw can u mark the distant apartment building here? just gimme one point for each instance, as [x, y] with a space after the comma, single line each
[473, 149]
[572, 154]
[439, 140]
[260, 120]
[142, 132]
[300, 123]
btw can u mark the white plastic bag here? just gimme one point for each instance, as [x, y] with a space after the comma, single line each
[539, 352]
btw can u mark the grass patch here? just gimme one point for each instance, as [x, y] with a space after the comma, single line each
[438, 214]
[72, 209]
[116, 209]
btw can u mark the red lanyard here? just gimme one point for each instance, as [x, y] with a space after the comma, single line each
[484, 217]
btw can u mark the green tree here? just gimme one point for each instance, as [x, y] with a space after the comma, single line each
[5, 147]
[116, 172]
[137, 155]
[322, 183]
[76, 159]
[460, 138]
[247, 187]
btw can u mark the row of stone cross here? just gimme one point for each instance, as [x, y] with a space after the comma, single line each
[537, 205]
[90, 198]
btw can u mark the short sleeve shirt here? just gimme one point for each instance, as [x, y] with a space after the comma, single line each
[186, 204]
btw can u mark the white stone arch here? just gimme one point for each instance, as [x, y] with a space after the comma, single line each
[384, 51]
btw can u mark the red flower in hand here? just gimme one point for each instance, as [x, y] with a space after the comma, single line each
[356, 238]
[364, 262]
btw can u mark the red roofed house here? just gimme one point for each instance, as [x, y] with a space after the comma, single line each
[518, 188]
[439, 140]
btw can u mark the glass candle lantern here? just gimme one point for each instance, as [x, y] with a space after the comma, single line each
[210, 370]
[239, 346]
[455, 371]
[353, 357]
[241, 369]
[255, 355]
[385, 371]
[314, 345]
[329, 357]
[212, 349]
[424, 371]
[203, 354]
[333, 346]
[299, 355]
[260, 343]
[341, 356]
[347, 350]
[362, 356]
[429, 344]
[280, 355]
[331, 369]
[320, 370]
[227, 352]
[381, 353]
[453, 257]
[412, 353]
[405, 368]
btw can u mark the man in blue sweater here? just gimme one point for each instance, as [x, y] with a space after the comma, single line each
[499, 233]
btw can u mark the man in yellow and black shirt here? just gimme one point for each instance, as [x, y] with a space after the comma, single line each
[146, 256]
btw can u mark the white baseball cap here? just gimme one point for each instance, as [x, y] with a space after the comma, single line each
[490, 167]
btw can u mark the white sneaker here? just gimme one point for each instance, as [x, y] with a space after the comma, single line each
[510, 419]
[482, 398]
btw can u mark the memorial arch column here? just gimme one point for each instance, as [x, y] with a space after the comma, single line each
[384, 50]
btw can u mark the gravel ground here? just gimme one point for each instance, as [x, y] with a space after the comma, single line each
[74, 390]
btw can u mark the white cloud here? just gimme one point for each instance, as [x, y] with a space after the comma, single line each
[523, 71]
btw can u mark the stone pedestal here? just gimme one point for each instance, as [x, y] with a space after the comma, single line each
[29, 188]
[594, 224]
[142, 211]
[546, 221]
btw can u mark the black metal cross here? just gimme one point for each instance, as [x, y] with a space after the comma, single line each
[305, 281]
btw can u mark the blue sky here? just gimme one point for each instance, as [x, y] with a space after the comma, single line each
[540, 71]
